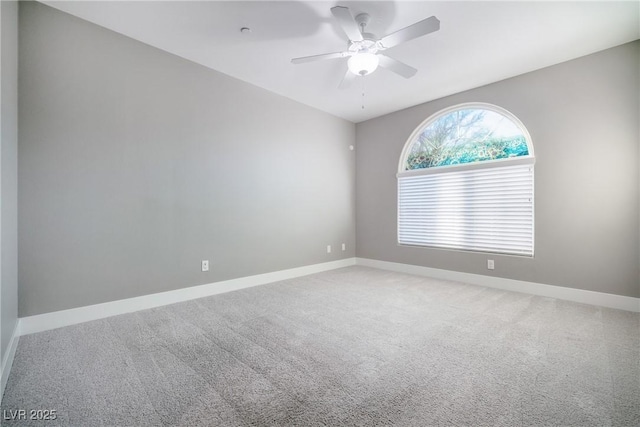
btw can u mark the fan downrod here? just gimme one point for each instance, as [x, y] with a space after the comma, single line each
[362, 19]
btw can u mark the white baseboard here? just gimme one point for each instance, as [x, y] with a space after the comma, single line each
[570, 294]
[58, 319]
[7, 361]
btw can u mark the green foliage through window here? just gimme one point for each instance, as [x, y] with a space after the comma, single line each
[466, 136]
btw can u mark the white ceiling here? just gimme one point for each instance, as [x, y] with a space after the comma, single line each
[478, 43]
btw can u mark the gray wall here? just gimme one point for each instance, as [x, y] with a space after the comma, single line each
[583, 118]
[8, 171]
[135, 164]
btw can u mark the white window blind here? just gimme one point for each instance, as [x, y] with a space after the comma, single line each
[488, 209]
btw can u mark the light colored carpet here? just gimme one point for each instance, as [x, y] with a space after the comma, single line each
[355, 346]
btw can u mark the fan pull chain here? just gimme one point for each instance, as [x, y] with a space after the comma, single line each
[363, 89]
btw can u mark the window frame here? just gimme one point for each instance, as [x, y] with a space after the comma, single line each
[452, 168]
[464, 106]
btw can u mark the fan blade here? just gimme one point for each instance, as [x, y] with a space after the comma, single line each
[396, 66]
[320, 57]
[411, 32]
[348, 78]
[348, 24]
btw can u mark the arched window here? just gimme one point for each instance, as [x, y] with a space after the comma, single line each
[465, 181]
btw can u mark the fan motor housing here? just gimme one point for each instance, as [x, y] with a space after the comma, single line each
[369, 44]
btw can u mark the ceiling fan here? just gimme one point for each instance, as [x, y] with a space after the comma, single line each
[364, 49]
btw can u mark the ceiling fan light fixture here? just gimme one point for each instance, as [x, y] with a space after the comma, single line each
[364, 48]
[363, 63]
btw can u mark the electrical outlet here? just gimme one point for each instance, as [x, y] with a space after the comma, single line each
[205, 265]
[344, 246]
[490, 264]
[328, 249]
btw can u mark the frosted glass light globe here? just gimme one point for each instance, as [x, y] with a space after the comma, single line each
[364, 63]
